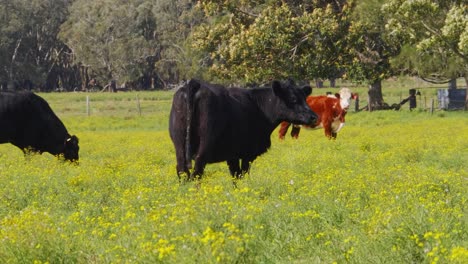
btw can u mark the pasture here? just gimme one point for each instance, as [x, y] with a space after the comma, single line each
[393, 188]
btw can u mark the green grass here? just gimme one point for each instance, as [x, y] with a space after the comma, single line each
[391, 189]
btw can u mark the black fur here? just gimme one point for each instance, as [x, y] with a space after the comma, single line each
[210, 123]
[28, 122]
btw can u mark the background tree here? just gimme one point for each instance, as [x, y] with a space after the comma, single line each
[136, 41]
[436, 34]
[370, 50]
[253, 41]
[175, 20]
[157, 43]
[112, 38]
[30, 53]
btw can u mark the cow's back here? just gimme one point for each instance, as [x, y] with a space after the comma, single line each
[331, 115]
[27, 119]
[223, 118]
[322, 104]
[251, 129]
[199, 110]
[15, 112]
[210, 123]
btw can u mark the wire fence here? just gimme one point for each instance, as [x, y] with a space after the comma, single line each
[427, 99]
[150, 103]
[105, 104]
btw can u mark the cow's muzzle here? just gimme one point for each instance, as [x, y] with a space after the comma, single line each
[308, 120]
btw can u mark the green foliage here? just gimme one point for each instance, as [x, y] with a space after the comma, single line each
[435, 29]
[369, 48]
[63, 43]
[255, 42]
[399, 197]
[175, 20]
[125, 40]
[110, 37]
[29, 48]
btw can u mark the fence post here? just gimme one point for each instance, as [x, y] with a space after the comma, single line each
[356, 104]
[138, 104]
[432, 106]
[88, 111]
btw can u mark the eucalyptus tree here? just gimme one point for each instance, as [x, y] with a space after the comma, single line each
[112, 38]
[253, 41]
[175, 20]
[29, 50]
[436, 37]
[129, 40]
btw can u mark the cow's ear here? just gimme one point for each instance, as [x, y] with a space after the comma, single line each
[277, 88]
[72, 140]
[194, 84]
[307, 90]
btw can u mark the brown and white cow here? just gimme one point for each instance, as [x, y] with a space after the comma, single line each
[331, 110]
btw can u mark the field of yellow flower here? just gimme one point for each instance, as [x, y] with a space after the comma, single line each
[393, 188]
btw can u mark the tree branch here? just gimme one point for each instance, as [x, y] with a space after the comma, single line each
[294, 49]
[245, 12]
[451, 46]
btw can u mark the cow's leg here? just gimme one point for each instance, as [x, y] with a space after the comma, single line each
[283, 129]
[234, 168]
[295, 131]
[29, 152]
[206, 146]
[183, 166]
[333, 135]
[182, 171]
[245, 166]
[327, 126]
[199, 168]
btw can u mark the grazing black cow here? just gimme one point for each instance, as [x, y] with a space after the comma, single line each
[28, 122]
[210, 123]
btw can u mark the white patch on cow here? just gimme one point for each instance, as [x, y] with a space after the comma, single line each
[345, 98]
[337, 126]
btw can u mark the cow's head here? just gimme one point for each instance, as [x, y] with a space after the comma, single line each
[345, 97]
[292, 106]
[71, 148]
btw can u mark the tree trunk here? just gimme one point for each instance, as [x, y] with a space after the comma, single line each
[375, 96]
[466, 97]
[84, 77]
[318, 83]
[452, 84]
[51, 82]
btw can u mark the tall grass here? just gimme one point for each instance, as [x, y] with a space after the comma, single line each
[391, 189]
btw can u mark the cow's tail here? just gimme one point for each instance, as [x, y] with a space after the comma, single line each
[192, 88]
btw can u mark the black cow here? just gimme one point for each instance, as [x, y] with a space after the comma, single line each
[28, 122]
[210, 123]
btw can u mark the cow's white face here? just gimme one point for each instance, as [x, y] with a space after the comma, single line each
[345, 98]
